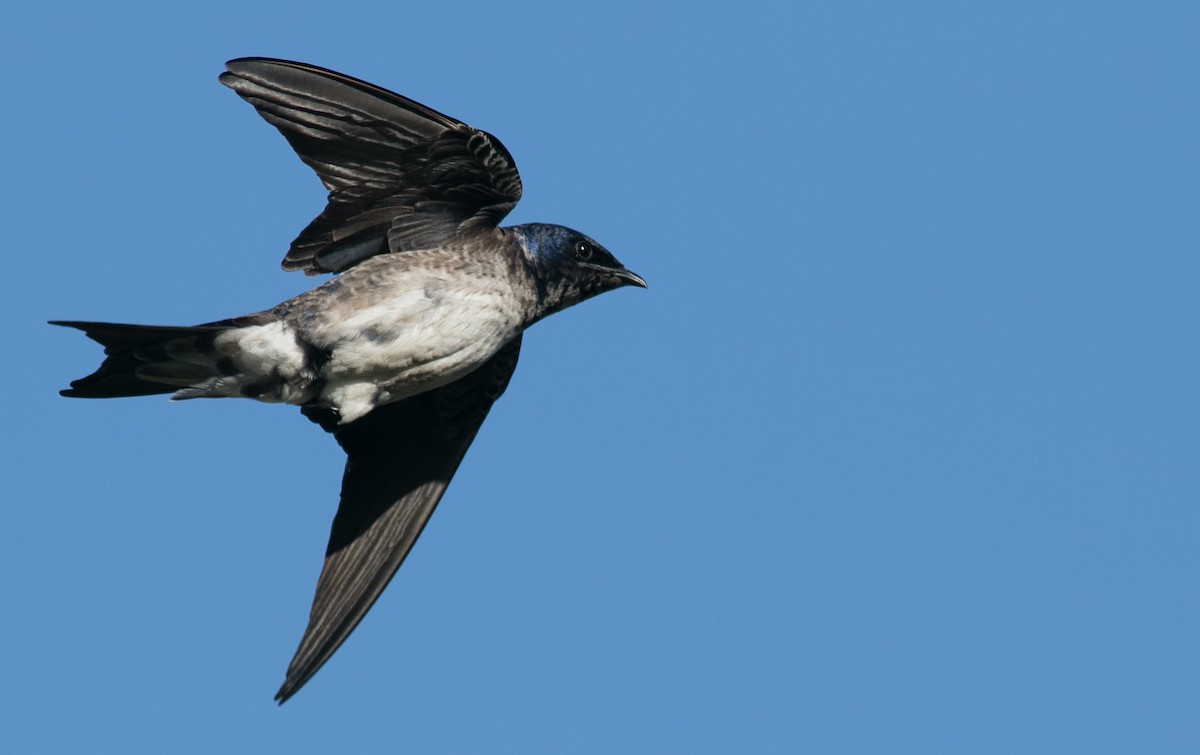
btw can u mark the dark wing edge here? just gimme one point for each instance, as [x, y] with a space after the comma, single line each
[400, 175]
[400, 458]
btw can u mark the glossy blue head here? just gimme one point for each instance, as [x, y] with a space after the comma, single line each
[569, 266]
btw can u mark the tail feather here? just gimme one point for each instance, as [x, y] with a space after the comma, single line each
[144, 360]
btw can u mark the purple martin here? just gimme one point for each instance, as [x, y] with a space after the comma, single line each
[401, 354]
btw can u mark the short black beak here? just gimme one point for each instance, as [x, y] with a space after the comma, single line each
[630, 278]
[626, 277]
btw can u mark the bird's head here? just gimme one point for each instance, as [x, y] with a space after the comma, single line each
[569, 266]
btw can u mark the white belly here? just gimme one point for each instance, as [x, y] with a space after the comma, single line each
[411, 343]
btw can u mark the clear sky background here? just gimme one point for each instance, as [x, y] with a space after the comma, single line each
[897, 453]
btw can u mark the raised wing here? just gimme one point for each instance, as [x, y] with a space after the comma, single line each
[401, 176]
[400, 458]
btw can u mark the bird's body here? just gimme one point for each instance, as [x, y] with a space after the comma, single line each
[400, 355]
[391, 327]
[415, 324]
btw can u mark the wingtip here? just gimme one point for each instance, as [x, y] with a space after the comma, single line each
[291, 685]
[233, 69]
[237, 68]
[248, 61]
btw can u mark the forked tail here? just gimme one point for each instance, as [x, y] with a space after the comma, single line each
[143, 360]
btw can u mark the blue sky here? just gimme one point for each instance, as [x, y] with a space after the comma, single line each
[897, 453]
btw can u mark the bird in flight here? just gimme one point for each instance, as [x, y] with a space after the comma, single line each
[401, 354]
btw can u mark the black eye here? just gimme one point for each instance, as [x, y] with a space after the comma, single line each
[583, 250]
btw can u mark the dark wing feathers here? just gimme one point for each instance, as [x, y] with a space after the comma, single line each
[401, 176]
[400, 458]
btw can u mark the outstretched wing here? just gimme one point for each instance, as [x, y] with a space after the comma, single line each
[400, 458]
[401, 176]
